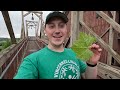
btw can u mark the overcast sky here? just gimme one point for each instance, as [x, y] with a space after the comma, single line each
[16, 20]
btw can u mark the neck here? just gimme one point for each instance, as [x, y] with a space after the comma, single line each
[59, 48]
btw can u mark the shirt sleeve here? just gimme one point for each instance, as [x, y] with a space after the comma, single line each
[27, 70]
[83, 66]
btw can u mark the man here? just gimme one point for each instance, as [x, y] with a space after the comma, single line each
[54, 61]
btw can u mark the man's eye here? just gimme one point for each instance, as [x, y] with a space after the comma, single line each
[51, 26]
[62, 25]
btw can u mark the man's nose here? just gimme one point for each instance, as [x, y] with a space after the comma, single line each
[57, 31]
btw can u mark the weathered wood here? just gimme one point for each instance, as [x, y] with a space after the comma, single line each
[35, 12]
[114, 24]
[67, 41]
[26, 14]
[107, 72]
[41, 26]
[102, 43]
[26, 29]
[28, 22]
[74, 26]
[111, 37]
[112, 12]
[38, 26]
[9, 26]
[81, 15]
[37, 15]
[5, 54]
[105, 32]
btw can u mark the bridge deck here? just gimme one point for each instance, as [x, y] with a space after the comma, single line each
[32, 46]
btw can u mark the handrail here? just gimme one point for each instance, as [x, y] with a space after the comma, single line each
[9, 51]
[40, 40]
[37, 44]
[5, 70]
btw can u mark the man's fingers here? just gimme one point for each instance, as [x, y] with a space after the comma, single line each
[94, 46]
[100, 50]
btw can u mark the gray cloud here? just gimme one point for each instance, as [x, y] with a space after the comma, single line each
[16, 20]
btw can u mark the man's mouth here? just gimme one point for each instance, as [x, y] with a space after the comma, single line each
[57, 36]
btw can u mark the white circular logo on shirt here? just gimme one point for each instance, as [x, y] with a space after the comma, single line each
[67, 69]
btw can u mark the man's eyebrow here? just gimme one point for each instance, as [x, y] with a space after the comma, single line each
[50, 23]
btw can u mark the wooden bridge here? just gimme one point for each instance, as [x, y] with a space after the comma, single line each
[103, 25]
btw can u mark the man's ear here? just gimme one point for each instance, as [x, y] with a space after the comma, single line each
[69, 33]
[45, 32]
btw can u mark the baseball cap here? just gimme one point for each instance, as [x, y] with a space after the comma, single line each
[56, 14]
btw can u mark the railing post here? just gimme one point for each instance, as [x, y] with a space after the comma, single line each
[74, 26]
[111, 37]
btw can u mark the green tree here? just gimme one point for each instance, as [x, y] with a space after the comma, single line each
[6, 44]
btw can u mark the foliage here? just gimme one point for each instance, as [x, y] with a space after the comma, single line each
[81, 46]
[6, 44]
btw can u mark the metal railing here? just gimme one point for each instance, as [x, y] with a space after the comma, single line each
[9, 68]
[41, 43]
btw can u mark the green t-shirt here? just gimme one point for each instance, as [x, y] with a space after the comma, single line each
[48, 64]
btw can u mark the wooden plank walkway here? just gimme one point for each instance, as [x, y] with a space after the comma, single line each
[32, 46]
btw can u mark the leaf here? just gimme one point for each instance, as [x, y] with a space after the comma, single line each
[81, 46]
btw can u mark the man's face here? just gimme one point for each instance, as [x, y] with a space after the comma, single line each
[56, 31]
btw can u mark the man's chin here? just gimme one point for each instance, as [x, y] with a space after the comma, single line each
[58, 44]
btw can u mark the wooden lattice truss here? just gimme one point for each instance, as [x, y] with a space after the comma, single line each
[105, 71]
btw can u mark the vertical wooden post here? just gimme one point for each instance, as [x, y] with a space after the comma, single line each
[111, 37]
[26, 29]
[22, 29]
[38, 25]
[41, 27]
[35, 31]
[80, 19]
[74, 26]
[81, 15]
[37, 28]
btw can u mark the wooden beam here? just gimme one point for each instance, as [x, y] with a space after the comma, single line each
[26, 29]
[112, 12]
[41, 24]
[81, 15]
[114, 24]
[105, 32]
[111, 37]
[102, 43]
[108, 72]
[74, 26]
[9, 26]
[37, 12]
[26, 14]
[37, 15]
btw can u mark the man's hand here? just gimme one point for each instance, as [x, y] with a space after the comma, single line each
[96, 54]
